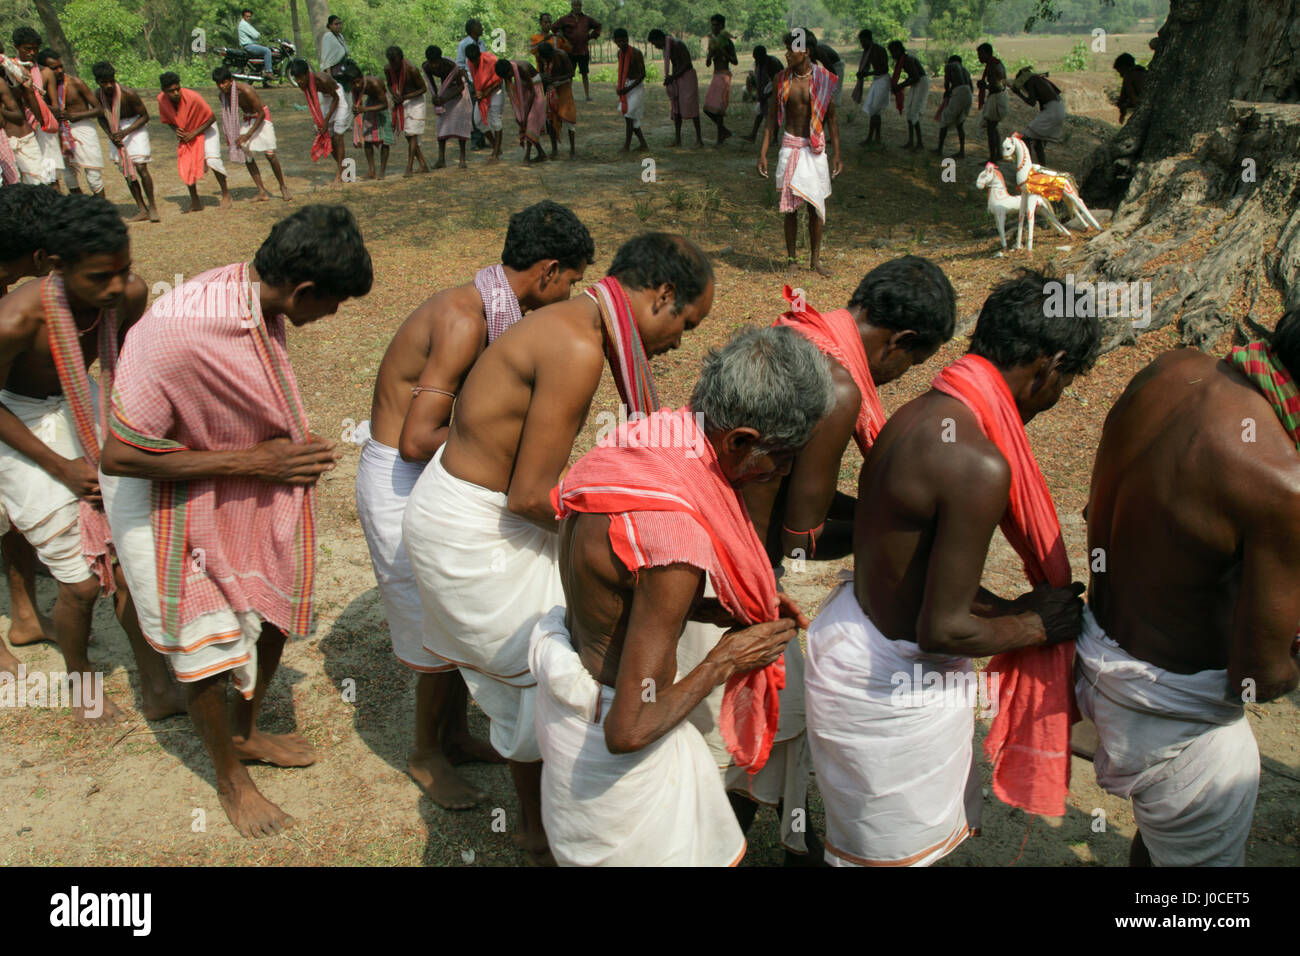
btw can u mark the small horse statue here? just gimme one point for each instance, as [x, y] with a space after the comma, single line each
[1040, 181]
[1002, 202]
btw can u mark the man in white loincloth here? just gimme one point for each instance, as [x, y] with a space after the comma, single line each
[1049, 125]
[246, 121]
[126, 121]
[406, 87]
[916, 83]
[958, 95]
[873, 66]
[76, 109]
[630, 89]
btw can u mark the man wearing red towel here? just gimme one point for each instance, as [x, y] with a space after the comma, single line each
[1193, 543]
[479, 528]
[889, 682]
[627, 778]
[198, 146]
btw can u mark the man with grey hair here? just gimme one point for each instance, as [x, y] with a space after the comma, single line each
[647, 519]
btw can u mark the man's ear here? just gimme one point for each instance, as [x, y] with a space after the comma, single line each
[548, 273]
[301, 292]
[739, 442]
[55, 262]
[665, 297]
[904, 341]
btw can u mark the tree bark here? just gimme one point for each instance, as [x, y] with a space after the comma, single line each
[54, 34]
[318, 13]
[297, 32]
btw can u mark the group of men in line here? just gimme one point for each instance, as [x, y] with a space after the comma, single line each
[620, 621]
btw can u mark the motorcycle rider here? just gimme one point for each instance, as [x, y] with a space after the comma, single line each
[248, 37]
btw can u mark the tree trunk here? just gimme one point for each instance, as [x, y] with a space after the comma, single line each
[54, 34]
[297, 32]
[1206, 174]
[318, 14]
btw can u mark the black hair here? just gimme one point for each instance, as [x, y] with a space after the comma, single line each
[503, 69]
[46, 55]
[24, 209]
[954, 59]
[221, 74]
[985, 48]
[472, 52]
[103, 70]
[865, 35]
[297, 66]
[896, 45]
[394, 53]
[809, 38]
[470, 23]
[654, 258]
[760, 52]
[620, 34]
[25, 35]
[433, 53]
[246, 10]
[1124, 61]
[545, 51]
[321, 244]
[656, 36]
[167, 79]
[718, 18]
[350, 71]
[79, 225]
[1015, 329]
[547, 230]
[1285, 343]
[332, 18]
[913, 293]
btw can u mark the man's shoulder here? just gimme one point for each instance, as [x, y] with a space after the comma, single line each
[21, 312]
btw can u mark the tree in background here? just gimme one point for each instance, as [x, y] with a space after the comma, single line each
[886, 19]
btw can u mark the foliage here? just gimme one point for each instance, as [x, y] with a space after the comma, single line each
[101, 30]
[1077, 60]
[886, 19]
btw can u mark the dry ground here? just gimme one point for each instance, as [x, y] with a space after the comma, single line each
[131, 794]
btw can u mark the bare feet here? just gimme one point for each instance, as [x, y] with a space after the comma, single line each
[279, 750]
[263, 196]
[227, 202]
[8, 663]
[469, 749]
[440, 164]
[285, 194]
[371, 175]
[536, 847]
[153, 214]
[819, 267]
[22, 633]
[141, 216]
[251, 813]
[101, 713]
[161, 703]
[463, 165]
[443, 785]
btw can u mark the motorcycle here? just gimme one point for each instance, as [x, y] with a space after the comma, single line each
[248, 66]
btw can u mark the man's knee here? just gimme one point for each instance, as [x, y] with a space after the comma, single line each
[82, 593]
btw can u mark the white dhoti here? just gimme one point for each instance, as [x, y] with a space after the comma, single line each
[486, 576]
[51, 154]
[1049, 124]
[413, 117]
[997, 107]
[210, 644]
[958, 108]
[891, 730]
[138, 146]
[804, 176]
[263, 142]
[342, 121]
[212, 150]
[661, 806]
[42, 508]
[1175, 746]
[496, 102]
[29, 157]
[635, 108]
[87, 156]
[384, 484]
[914, 105]
[877, 98]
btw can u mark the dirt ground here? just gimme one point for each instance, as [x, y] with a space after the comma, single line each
[142, 793]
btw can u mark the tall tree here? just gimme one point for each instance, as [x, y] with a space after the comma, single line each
[54, 34]
[318, 14]
[297, 32]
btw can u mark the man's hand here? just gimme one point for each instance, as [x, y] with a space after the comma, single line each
[320, 130]
[283, 461]
[711, 611]
[788, 608]
[762, 165]
[837, 168]
[117, 138]
[1061, 610]
[243, 140]
[82, 479]
[750, 648]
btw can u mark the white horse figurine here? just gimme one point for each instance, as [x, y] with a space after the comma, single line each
[1041, 181]
[1002, 202]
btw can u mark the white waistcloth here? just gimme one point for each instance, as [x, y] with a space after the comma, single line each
[138, 146]
[877, 97]
[342, 121]
[1175, 745]
[635, 105]
[1049, 124]
[87, 152]
[384, 483]
[811, 181]
[496, 102]
[51, 153]
[997, 107]
[42, 508]
[914, 105]
[958, 108]
[264, 141]
[212, 150]
[661, 806]
[486, 576]
[891, 730]
[413, 117]
[29, 157]
[784, 778]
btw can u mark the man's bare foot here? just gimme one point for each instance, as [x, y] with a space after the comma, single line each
[819, 267]
[285, 194]
[536, 847]
[226, 202]
[724, 135]
[197, 207]
[153, 214]
[141, 216]
[337, 180]
[643, 147]
[443, 785]
[371, 175]
[22, 633]
[279, 750]
[103, 713]
[262, 196]
[469, 749]
[463, 165]
[8, 663]
[159, 704]
[407, 175]
[440, 164]
[251, 813]
[626, 149]
[748, 139]
[961, 154]
[494, 159]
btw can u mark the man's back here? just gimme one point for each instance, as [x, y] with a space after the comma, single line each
[1192, 463]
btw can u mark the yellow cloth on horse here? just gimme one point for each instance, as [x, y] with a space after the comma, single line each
[1050, 187]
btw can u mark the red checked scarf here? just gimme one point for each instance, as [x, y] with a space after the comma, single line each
[500, 305]
[623, 57]
[209, 372]
[322, 145]
[1029, 742]
[189, 115]
[623, 348]
[837, 335]
[230, 123]
[46, 122]
[114, 111]
[1266, 372]
[668, 506]
[70, 363]
[899, 95]
[398, 85]
[821, 89]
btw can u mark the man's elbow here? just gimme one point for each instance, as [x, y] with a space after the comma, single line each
[534, 507]
[937, 638]
[111, 460]
[414, 450]
[622, 741]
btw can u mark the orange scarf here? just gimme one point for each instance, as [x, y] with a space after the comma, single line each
[485, 79]
[192, 113]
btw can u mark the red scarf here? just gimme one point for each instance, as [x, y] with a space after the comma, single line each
[893, 84]
[623, 57]
[1029, 742]
[46, 122]
[485, 79]
[66, 138]
[114, 117]
[322, 145]
[821, 89]
[398, 84]
[192, 113]
[671, 503]
[837, 335]
[623, 348]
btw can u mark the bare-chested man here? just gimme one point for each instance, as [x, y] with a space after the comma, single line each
[35, 95]
[630, 89]
[546, 250]
[25, 151]
[873, 66]
[561, 110]
[24, 210]
[1133, 80]
[721, 55]
[49, 485]
[1049, 125]
[209, 440]
[894, 755]
[916, 81]
[994, 98]
[803, 114]
[525, 91]
[126, 121]
[246, 121]
[480, 527]
[331, 110]
[76, 109]
[453, 99]
[1194, 541]
[371, 104]
[198, 138]
[627, 780]
[681, 82]
[406, 86]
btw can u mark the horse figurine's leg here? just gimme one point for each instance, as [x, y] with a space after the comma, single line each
[1051, 218]
[1077, 204]
[1020, 222]
[1000, 214]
